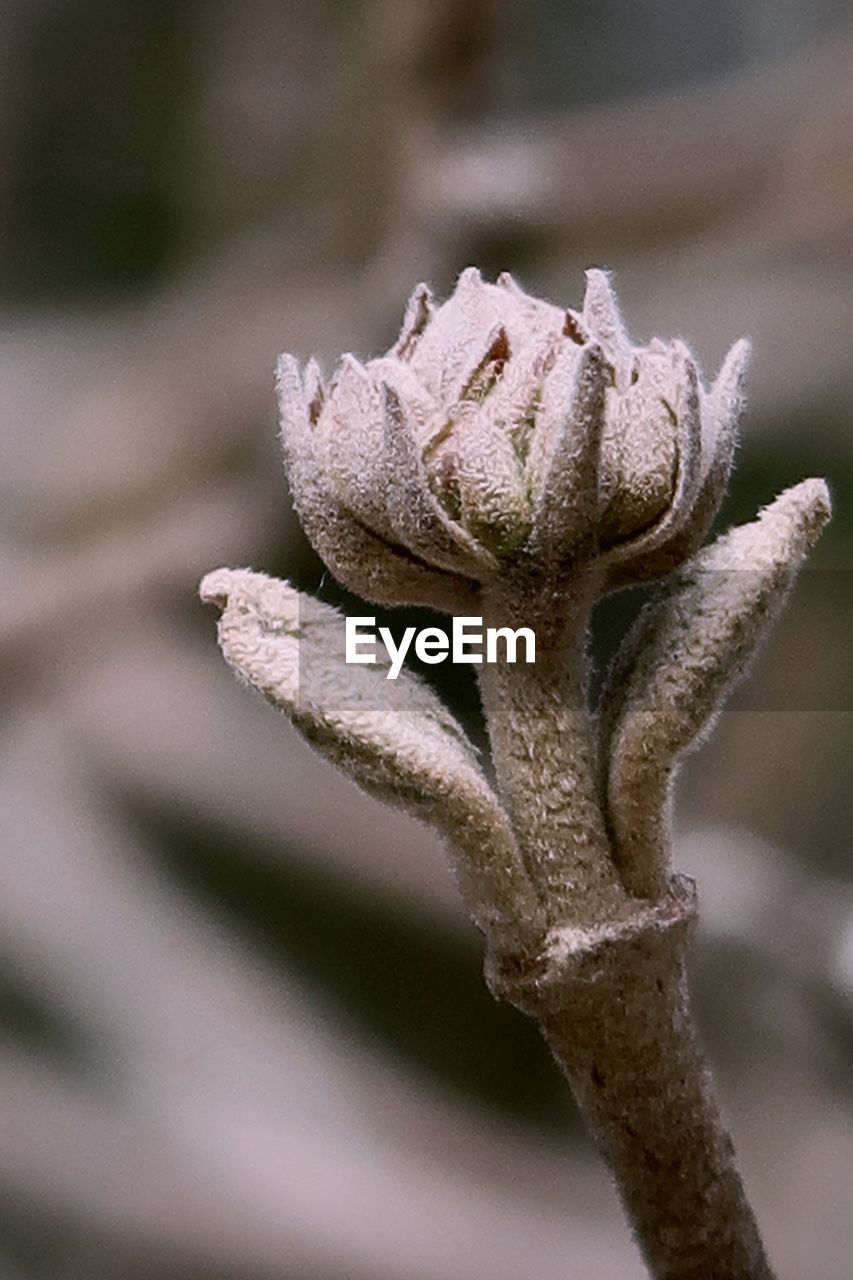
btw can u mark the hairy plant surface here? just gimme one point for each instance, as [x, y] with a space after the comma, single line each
[517, 460]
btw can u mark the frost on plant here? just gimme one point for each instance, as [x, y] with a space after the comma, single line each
[518, 460]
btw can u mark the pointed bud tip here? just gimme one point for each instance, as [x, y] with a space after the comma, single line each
[740, 352]
[599, 290]
[508, 281]
[603, 318]
[349, 368]
[419, 311]
[290, 377]
[286, 369]
[734, 367]
[469, 278]
[421, 295]
[806, 505]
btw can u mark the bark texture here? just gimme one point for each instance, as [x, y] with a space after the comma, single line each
[614, 1008]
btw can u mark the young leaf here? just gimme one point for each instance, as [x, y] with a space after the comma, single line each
[394, 738]
[688, 648]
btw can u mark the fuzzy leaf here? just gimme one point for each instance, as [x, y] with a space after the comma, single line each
[688, 648]
[419, 311]
[359, 558]
[471, 316]
[682, 385]
[565, 455]
[492, 495]
[721, 410]
[350, 438]
[602, 319]
[394, 738]
[418, 519]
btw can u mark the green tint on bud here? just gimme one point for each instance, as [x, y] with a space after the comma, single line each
[502, 430]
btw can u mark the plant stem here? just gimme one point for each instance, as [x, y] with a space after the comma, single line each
[620, 1026]
[613, 1006]
[608, 984]
[544, 754]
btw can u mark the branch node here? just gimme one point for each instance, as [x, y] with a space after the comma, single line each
[576, 958]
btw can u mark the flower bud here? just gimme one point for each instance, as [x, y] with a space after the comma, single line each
[501, 430]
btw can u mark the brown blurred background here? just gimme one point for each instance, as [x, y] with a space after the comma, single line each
[244, 1032]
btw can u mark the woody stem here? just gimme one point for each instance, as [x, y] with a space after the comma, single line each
[608, 987]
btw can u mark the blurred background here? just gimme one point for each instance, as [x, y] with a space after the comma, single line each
[243, 1030]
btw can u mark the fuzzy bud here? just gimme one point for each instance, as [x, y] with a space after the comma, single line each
[501, 430]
